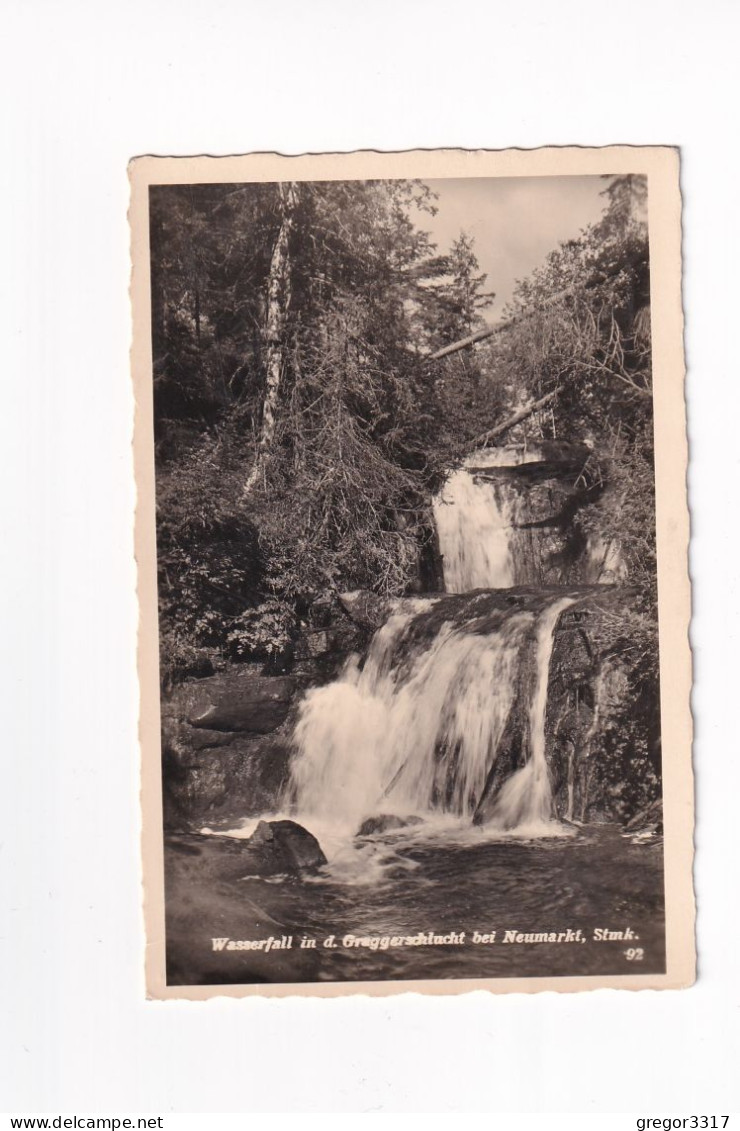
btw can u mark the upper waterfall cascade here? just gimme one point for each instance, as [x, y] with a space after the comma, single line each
[474, 522]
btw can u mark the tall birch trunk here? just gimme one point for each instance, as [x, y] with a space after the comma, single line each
[278, 302]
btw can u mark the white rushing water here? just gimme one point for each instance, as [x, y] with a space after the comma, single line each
[409, 738]
[488, 541]
[416, 731]
[474, 522]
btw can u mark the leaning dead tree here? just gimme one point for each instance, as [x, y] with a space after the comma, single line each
[471, 339]
[278, 303]
[522, 413]
[489, 331]
[515, 418]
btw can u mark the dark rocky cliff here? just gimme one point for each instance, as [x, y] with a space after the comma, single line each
[226, 737]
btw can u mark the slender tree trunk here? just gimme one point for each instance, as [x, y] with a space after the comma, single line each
[470, 340]
[278, 302]
[517, 418]
[489, 331]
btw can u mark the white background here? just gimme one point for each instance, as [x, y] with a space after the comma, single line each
[85, 87]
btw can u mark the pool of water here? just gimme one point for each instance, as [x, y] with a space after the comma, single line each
[456, 884]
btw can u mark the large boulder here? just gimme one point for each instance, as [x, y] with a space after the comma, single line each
[285, 847]
[243, 701]
[189, 741]
[225, 746]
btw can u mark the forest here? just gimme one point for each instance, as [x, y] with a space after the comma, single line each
[314, 386]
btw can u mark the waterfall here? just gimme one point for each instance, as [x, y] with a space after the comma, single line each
[407, 735]
[474, 521]
[505, 518]
[342, 737]
[416, 730]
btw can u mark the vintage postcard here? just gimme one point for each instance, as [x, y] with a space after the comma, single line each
[412, 543]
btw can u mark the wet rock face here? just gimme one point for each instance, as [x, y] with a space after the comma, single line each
[225, 746]
[538, 495]
[572, 742]
[243, 776]
[584, 689]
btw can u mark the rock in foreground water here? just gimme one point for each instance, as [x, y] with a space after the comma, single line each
[386, 822]
[275, 848]
[285, 846]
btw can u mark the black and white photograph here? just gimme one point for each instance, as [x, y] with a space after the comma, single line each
[401, 436]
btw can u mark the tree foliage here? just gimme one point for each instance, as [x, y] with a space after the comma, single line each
[453, 295]
[342, 497]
